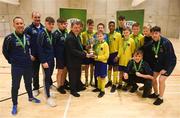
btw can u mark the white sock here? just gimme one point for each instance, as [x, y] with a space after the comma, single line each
[156, 93]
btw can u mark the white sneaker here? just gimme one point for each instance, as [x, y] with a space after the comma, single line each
[36, 93]
[51, 102]
[52, 95]
[52, 87]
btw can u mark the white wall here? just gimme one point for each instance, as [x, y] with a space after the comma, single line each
[165, 13]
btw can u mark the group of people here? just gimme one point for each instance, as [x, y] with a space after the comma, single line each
[126, 57]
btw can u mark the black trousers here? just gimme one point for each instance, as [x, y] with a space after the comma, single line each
[17, 73]
[133, 80]
[47, 77]
[36, 66]
[75, 78]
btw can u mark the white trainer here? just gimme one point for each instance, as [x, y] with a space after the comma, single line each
[52, 94]
[36, 93]
[51, 102]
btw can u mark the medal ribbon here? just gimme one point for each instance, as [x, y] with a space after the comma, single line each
[156, 49]
[137, 69]
[125, 45]
[49, 37]
[23, 44]
[65, 35]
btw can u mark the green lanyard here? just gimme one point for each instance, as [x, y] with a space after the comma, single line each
[89, 35]
[156, 49]
[137, 69]
[65, 35]
[89, 40]
[112, 37]
[136, 41]
[23, 44]
[49, 37]
[125, 45]
[98, 48]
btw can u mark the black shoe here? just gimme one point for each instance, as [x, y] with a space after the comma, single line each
[96, 90]
[75, 94]
[141, 88]
[108, 84]
[125, 88]
[61, 90]
[66, 87]
[153, 96]
[119, 86]
[81, 88]
[158, 101]
[101, 94]
[146, 93]
[113, 89]
[133, 89]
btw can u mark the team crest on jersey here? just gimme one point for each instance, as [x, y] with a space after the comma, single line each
[34, 31]
[63, 38]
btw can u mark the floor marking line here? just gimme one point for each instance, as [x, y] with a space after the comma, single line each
[67, 107]
[23, 93]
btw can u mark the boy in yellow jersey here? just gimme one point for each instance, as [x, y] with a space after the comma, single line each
[87, 37]
[100, 28]
[114, 41]
[138, 38]
[101, 56]
[125, 54]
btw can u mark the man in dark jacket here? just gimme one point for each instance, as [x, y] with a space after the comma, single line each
[16, 50]
[74, 55]
[33, 31]
[46, 56]
[164, 61]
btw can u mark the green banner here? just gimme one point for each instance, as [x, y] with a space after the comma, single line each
[73, 14]
[132, 16]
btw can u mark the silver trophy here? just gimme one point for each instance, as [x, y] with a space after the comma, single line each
[91, 43]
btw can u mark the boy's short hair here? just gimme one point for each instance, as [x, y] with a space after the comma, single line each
[50, 19]
[101, 24]
[156, 29]
[121, 18]
[90, 21]
[127, 28]
[17, 17]
[136, 25]
[146, 27]
[138, 52]
[61, 20]
[111, 22]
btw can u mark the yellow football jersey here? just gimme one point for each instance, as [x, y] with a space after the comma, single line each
[138, 40]
[85, 36]
[114, 41]
[126, 51]
[102, 52]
